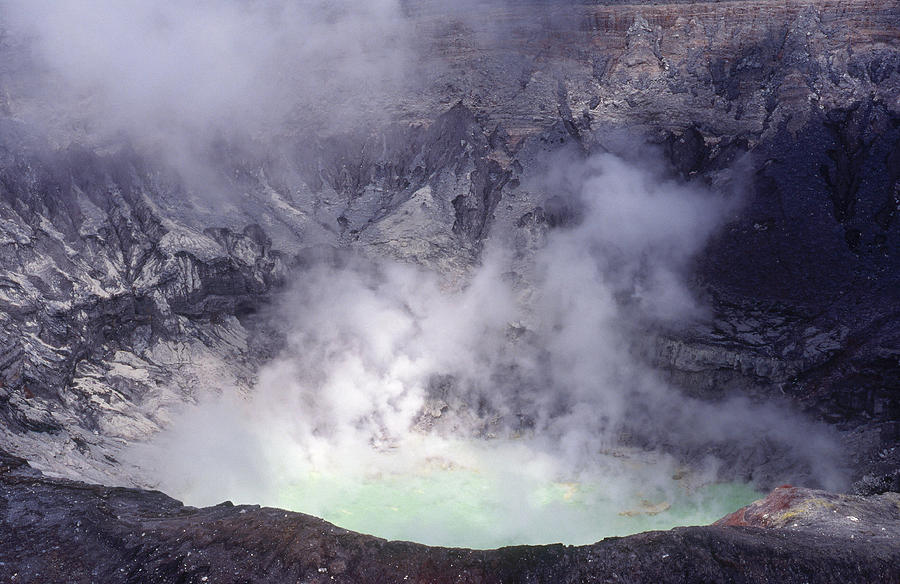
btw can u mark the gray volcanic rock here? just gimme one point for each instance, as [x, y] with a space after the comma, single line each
[114, 317]
[105, 302]
[124, 284]
[57, 530]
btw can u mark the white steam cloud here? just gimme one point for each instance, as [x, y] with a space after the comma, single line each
[176, 70]
[376, 350]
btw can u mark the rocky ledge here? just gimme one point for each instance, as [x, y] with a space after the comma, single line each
[57, 530]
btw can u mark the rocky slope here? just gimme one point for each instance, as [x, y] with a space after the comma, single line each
[122, 285]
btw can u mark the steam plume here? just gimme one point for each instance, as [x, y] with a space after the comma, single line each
[371, 345]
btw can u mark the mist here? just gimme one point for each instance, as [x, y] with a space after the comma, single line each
[529, 366]
[175, 76]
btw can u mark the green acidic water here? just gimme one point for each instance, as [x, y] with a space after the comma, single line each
[492, 505]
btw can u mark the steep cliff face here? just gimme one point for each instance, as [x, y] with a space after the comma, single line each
[123, 285]
[804, 98]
